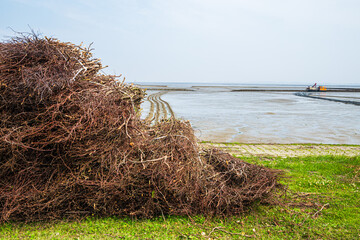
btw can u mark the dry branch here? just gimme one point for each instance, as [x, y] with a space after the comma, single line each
[72, 144]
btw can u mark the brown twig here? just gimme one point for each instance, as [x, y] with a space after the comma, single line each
[231, 233]
[322, 207]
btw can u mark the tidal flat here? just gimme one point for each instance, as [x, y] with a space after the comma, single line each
[222, 115]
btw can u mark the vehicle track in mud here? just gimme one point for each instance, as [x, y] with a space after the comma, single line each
[159, 109]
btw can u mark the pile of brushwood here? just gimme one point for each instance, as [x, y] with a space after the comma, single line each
[72, 144]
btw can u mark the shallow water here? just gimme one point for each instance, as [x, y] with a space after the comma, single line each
[218, 114]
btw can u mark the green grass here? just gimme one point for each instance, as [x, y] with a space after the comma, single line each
[328, 190]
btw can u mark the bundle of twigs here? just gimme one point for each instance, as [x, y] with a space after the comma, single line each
[72, 144]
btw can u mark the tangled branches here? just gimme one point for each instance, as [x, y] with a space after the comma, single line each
[72, 144]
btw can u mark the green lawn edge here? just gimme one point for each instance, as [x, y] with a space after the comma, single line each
[330, 184]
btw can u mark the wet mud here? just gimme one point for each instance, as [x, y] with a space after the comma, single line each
[221, 115]
[159, 109]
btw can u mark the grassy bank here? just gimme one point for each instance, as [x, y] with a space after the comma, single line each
[323, 203]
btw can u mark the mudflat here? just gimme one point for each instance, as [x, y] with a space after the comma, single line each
[221, 115]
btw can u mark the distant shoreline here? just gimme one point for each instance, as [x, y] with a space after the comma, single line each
[242, 88]
[292, 90]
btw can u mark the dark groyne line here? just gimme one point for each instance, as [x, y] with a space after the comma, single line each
[296, 90]
[306, 94]
[343, 89]
[265, 90]
[168, 89]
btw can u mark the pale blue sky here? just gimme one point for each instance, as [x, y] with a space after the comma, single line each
[243, 41]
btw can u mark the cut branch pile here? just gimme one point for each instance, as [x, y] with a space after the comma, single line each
[72, 144]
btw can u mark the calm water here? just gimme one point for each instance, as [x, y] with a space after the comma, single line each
[217, 114]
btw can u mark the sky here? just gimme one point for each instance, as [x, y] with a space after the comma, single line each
[208, 41]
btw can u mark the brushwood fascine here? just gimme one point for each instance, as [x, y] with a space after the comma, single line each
[72, 144]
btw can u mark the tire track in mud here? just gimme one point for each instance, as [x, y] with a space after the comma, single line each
[150, 115]
[159, 108]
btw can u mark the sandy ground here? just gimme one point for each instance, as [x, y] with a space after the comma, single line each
[285, 150]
